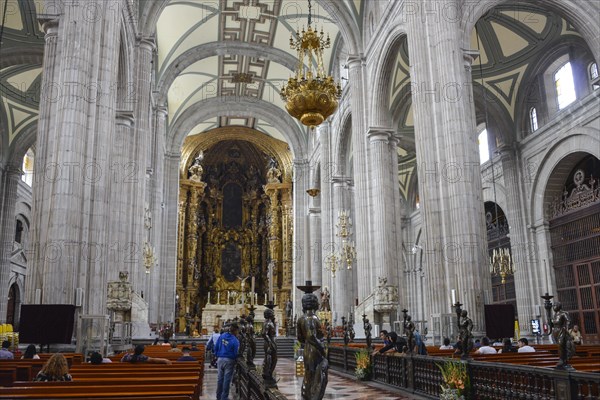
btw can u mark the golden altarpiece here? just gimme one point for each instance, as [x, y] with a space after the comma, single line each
[234, 227]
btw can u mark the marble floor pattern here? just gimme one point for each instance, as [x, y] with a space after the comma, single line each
[339, 387]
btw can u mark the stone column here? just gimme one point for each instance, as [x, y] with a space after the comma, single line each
[9, 182]
[165, 279]
[301, 184]
[455, 255]
[71, 196]
[142, 146]
[341, 288]
[384, 181]
[359, 127]
[326, 196]
[520, 247]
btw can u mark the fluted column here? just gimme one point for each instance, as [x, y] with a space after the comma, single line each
[142, 145]
[520, 248]
[157, 204]
[301, 184]
[9, 182]
[326, 201]
[163, 308]
[341, 288]
[71, 195]
[384, 177]
[358, 105]
[448, 166]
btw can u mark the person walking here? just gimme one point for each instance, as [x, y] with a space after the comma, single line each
[226, 350]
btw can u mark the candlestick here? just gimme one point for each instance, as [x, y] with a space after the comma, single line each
[208, 301]
[275, 299]
[218, 297]
[265, 298]
[253, 284]
[453, 296]
[271, 279]
[546, 275]
[307, 267]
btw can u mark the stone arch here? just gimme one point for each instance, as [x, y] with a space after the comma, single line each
[261, 109]
[499, 198]
[380, 114]
[342, 144]
[17, 280]
[336, 9]
[206, 50]
[580, 142]
[22, 143]
[579, 13]
[125, 72]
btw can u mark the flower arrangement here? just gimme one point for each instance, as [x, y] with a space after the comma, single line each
[456, 380]
[363, 365]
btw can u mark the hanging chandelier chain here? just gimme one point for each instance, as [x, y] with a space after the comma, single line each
[309, 13]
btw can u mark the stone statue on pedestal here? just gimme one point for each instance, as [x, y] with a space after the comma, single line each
[409, 331]
[316, 366]
[270, 360]
[325, 300]
[367, 328]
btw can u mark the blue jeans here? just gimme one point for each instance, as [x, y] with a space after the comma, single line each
[225, 367]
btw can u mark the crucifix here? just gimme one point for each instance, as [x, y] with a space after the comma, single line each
[243, 280]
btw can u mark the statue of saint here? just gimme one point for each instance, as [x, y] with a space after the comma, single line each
[196, 169]
[368, 327]
[346, 332]
[464, 335]
[561, 336]
[325, 299]
[409, 331]
[250, 342]
[270, 360]
[288, 309]
[316, 366]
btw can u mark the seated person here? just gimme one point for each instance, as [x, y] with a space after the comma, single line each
[446, 345]
[5, 353]
[477, 344]
[96, 358]
[524, 346]
[186, 355]
[485, 347]
[30, 353]
[138, 356]
[507, 347]
[497, 342]
[174, 348]
[55, 369]
[395, 342]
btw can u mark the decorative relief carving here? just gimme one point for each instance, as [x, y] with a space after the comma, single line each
[386, 296]
[583, 195]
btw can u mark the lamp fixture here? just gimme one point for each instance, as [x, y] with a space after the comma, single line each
[331, 263]
[311, 96]
[501, 264]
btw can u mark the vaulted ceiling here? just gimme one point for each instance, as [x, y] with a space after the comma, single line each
[253, 58]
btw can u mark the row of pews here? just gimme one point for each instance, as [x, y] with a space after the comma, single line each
[586, 359]
[110, 381]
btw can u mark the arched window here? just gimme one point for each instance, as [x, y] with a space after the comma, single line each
[533, 120]
[593, 71]
[19, 232]
[565, 86]
[484, 148]
[594, 76]
[27, 176]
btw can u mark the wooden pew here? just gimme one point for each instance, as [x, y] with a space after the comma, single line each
[67, 391]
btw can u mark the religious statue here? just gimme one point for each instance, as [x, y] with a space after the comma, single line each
[464, 335]
[316, 366]
[270, 361]
[288, 309]
[250, 342]
[196, 169]
[368, 327]
[325, 299]
[346, 333]
[273, 173]
[409, 331]
[560, 333]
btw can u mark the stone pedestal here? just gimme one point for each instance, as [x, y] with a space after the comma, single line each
[385, 302]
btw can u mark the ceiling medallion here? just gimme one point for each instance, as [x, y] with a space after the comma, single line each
[311, 96]
[241, 77]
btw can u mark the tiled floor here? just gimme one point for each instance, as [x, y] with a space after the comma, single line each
[338, 387]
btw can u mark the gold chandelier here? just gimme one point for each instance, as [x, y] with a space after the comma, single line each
[311, 96]
[331, 263]
[501, 264]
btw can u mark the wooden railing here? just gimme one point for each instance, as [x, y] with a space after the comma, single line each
[489, 380]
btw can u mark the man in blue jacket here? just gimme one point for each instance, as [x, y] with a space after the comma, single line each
[226, 349]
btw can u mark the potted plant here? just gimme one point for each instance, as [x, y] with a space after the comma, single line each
[363, 365]
[456, 380]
